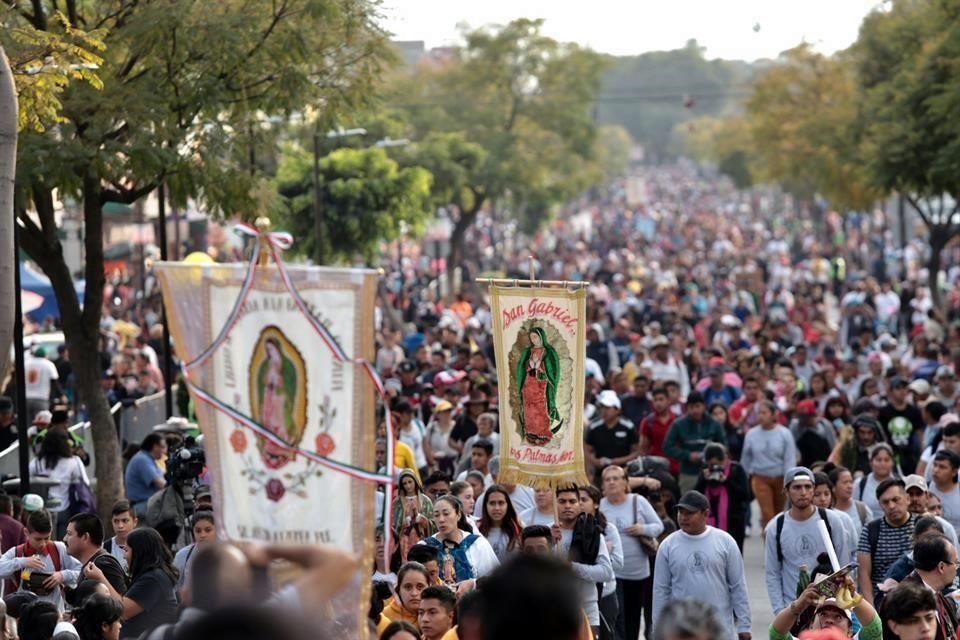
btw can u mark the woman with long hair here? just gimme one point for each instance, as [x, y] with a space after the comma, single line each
[819, 389]
[151, 600]
[499, 522]
[465, 492]
[412, 579]
[56, 462]
[824, 496]
[590, 498]
[463, 556]
[98, 618]
[412, 508]
[836, 412]
[842, 481]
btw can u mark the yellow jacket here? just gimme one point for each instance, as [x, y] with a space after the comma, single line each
[394, 611]
[403, 458]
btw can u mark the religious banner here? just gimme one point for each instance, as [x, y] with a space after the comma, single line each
[539, 344]
[287, 415]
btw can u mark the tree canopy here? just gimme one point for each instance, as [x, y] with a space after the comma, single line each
[184, 85]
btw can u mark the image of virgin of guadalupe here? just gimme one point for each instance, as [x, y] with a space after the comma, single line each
[277, 388]
[538, 375]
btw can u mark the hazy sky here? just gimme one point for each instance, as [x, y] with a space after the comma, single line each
[624, 27]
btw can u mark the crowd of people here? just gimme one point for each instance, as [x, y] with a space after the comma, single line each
[733, 356]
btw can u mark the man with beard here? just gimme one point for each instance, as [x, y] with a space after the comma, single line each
[793, 538]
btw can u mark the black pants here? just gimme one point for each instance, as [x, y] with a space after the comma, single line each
[609, 608]
[636, 597]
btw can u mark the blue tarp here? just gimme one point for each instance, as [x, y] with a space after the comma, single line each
[38, 283]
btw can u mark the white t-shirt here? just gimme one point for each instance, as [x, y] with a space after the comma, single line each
[413, 438]
[38, 373]
[66, 472]
[534, 516]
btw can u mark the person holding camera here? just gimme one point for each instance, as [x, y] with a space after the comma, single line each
[725, 485]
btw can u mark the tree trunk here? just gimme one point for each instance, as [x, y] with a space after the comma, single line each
[457, 236]
[938, 240]
[8, 172]
[81, 328]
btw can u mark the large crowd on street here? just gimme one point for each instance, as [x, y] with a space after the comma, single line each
[734, 355]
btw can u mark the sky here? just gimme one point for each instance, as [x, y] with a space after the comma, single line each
[625, 27]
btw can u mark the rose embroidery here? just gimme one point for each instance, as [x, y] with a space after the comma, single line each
[238, 440]
[325, 444]
[275, 489]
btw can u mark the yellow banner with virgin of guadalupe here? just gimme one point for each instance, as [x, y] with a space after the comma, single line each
[539, 344]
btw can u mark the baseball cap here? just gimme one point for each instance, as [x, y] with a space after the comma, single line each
[609, 398]
[897, 381]
[831, 603]
[43, 417]
[32, 502]
[797, 473]
[807, 407]
[40, 352]
[442, 406]
[920, 387]
[945, 371]
[693, 501]
[913, 481]
[407, 366]
[444, 378]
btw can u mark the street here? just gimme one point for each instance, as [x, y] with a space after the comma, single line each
[762, 616]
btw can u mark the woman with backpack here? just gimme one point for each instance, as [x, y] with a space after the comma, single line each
[843, 486]
[57, 464]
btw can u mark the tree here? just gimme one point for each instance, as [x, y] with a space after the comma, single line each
[8, 167]
[184, 84]
[525, 100]
[724, 142]
[804, 122]
[908, 60]
[652, 93]
[365, 198]
[612, 150]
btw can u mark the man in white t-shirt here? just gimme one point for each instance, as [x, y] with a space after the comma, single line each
[41, 379]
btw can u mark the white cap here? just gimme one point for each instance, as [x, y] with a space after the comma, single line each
[609, 398]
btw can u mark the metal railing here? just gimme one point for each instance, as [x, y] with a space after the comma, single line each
[134, 421]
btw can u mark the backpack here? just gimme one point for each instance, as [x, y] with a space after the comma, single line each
[165, 509]
[585, 542]
[81, 497]
[779, 534]
[25, 551]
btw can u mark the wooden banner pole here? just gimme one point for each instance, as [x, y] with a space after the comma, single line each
[511, 282]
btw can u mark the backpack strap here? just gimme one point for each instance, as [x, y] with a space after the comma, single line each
[863, 485]
[873, 534]
[778, 536]
[52, 550]
[826, 521]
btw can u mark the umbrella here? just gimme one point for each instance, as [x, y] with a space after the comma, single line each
[30, 301]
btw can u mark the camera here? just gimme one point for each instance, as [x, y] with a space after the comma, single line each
[186, 463]
[714, 474]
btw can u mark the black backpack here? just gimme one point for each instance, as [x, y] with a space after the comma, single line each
[779, 534]
[585, 543]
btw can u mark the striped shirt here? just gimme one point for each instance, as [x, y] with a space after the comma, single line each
[892, 543]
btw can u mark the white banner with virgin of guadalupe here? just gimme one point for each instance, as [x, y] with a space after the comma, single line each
[287, 419]
[540, 350]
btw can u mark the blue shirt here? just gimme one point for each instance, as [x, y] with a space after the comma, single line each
[141, 472]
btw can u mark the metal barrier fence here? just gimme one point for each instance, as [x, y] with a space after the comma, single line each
[134, 422]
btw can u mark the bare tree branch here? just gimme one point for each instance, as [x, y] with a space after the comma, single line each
[127, 196]
[920, 212]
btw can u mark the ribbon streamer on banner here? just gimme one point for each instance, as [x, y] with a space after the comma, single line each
[273, 240]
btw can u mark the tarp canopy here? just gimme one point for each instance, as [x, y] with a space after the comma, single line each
[38, 283]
